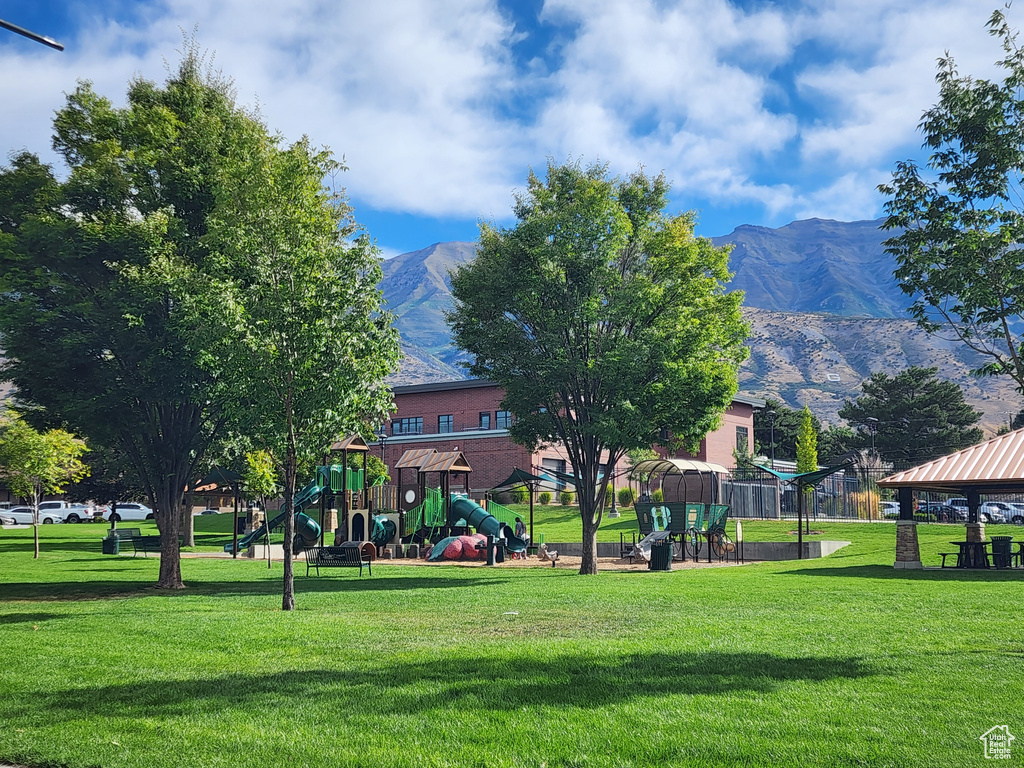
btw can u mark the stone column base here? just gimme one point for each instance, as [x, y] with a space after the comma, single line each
[908, 552]
[975, 532]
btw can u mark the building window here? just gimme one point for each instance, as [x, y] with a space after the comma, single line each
[742, 440]
[485, 419]
[556, 465]
[410, 426]
[502, 419]
[444, 423]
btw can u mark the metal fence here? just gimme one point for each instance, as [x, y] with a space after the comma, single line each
[850, 495]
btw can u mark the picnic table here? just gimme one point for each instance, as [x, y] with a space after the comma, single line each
[972, 554]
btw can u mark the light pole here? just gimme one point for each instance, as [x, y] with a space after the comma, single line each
[31, 35]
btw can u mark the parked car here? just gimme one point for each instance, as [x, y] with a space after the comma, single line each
[84, 513]
[1017, 513]
[26, 515]
[53, 511]
[7, 520]
[889, 509]
[994, 512]
[208, 512]
[132, 510]
[21, 515]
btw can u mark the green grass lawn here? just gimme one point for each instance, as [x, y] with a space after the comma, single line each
[834, 662]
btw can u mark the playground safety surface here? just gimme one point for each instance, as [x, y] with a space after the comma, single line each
[569, 562]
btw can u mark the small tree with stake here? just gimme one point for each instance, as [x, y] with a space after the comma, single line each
[34, 463]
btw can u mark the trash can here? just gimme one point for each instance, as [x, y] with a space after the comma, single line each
[661, 557]
[1001, 547]
[111, 545]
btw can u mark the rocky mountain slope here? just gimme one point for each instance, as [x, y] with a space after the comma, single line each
[824, 308]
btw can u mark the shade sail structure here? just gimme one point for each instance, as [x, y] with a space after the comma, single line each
[995, 466]
[676, 466]
[218, 477]
[519, 477]
[806, 478]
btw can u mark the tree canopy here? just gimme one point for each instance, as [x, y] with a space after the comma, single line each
[101, 274]
[915, 417]
[606, 322]
[960, 224]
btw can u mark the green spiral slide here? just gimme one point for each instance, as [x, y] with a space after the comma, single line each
[485, 523]
[307, 530]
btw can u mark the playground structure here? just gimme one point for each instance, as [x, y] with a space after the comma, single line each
[337, 489]
[430, 516]
[688, 516]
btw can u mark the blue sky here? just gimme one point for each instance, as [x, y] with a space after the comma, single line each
[758, 112]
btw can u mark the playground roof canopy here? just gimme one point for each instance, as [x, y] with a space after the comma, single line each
[997, 465]
[350, 443]
[676, 466]
[446, 461]
[415, 458]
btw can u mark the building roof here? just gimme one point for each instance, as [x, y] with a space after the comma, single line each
[444, 386]
[996, 465]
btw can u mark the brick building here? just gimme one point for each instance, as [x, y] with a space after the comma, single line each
[467, 416]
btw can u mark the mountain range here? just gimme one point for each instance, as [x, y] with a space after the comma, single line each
[824, 307]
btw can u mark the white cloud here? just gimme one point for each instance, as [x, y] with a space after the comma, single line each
[417, 94]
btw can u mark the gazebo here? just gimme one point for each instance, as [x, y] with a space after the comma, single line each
[993, 467]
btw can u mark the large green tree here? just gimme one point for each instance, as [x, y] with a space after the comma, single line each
[100, 273]
[34, 463]
[960, 223]
[606, 322]
[914, 417]
[306, 345]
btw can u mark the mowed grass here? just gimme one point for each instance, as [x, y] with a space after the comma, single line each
[834, 662]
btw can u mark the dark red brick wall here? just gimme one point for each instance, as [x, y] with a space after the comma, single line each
[492, 457]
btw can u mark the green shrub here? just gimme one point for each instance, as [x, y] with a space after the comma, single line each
[658, 497]
[519, 495]
[565, 498]
[545, 497]
[626, 497]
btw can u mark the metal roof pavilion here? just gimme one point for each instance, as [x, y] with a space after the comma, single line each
[995, 466]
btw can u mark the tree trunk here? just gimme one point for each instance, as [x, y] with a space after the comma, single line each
[168, 517]
[290, 470]
[588, 566]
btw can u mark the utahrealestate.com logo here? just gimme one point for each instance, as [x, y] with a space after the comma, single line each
[997, 742]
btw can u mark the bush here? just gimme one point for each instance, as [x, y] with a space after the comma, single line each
[626, 497]
[545, 497]
[565, 498]
[519, 495]
[658, 497]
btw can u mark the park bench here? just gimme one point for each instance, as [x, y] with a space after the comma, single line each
[146, 544]
[337, 557]
[126, 534]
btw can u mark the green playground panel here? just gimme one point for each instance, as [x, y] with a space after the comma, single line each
[354, 481]
[505, 515]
